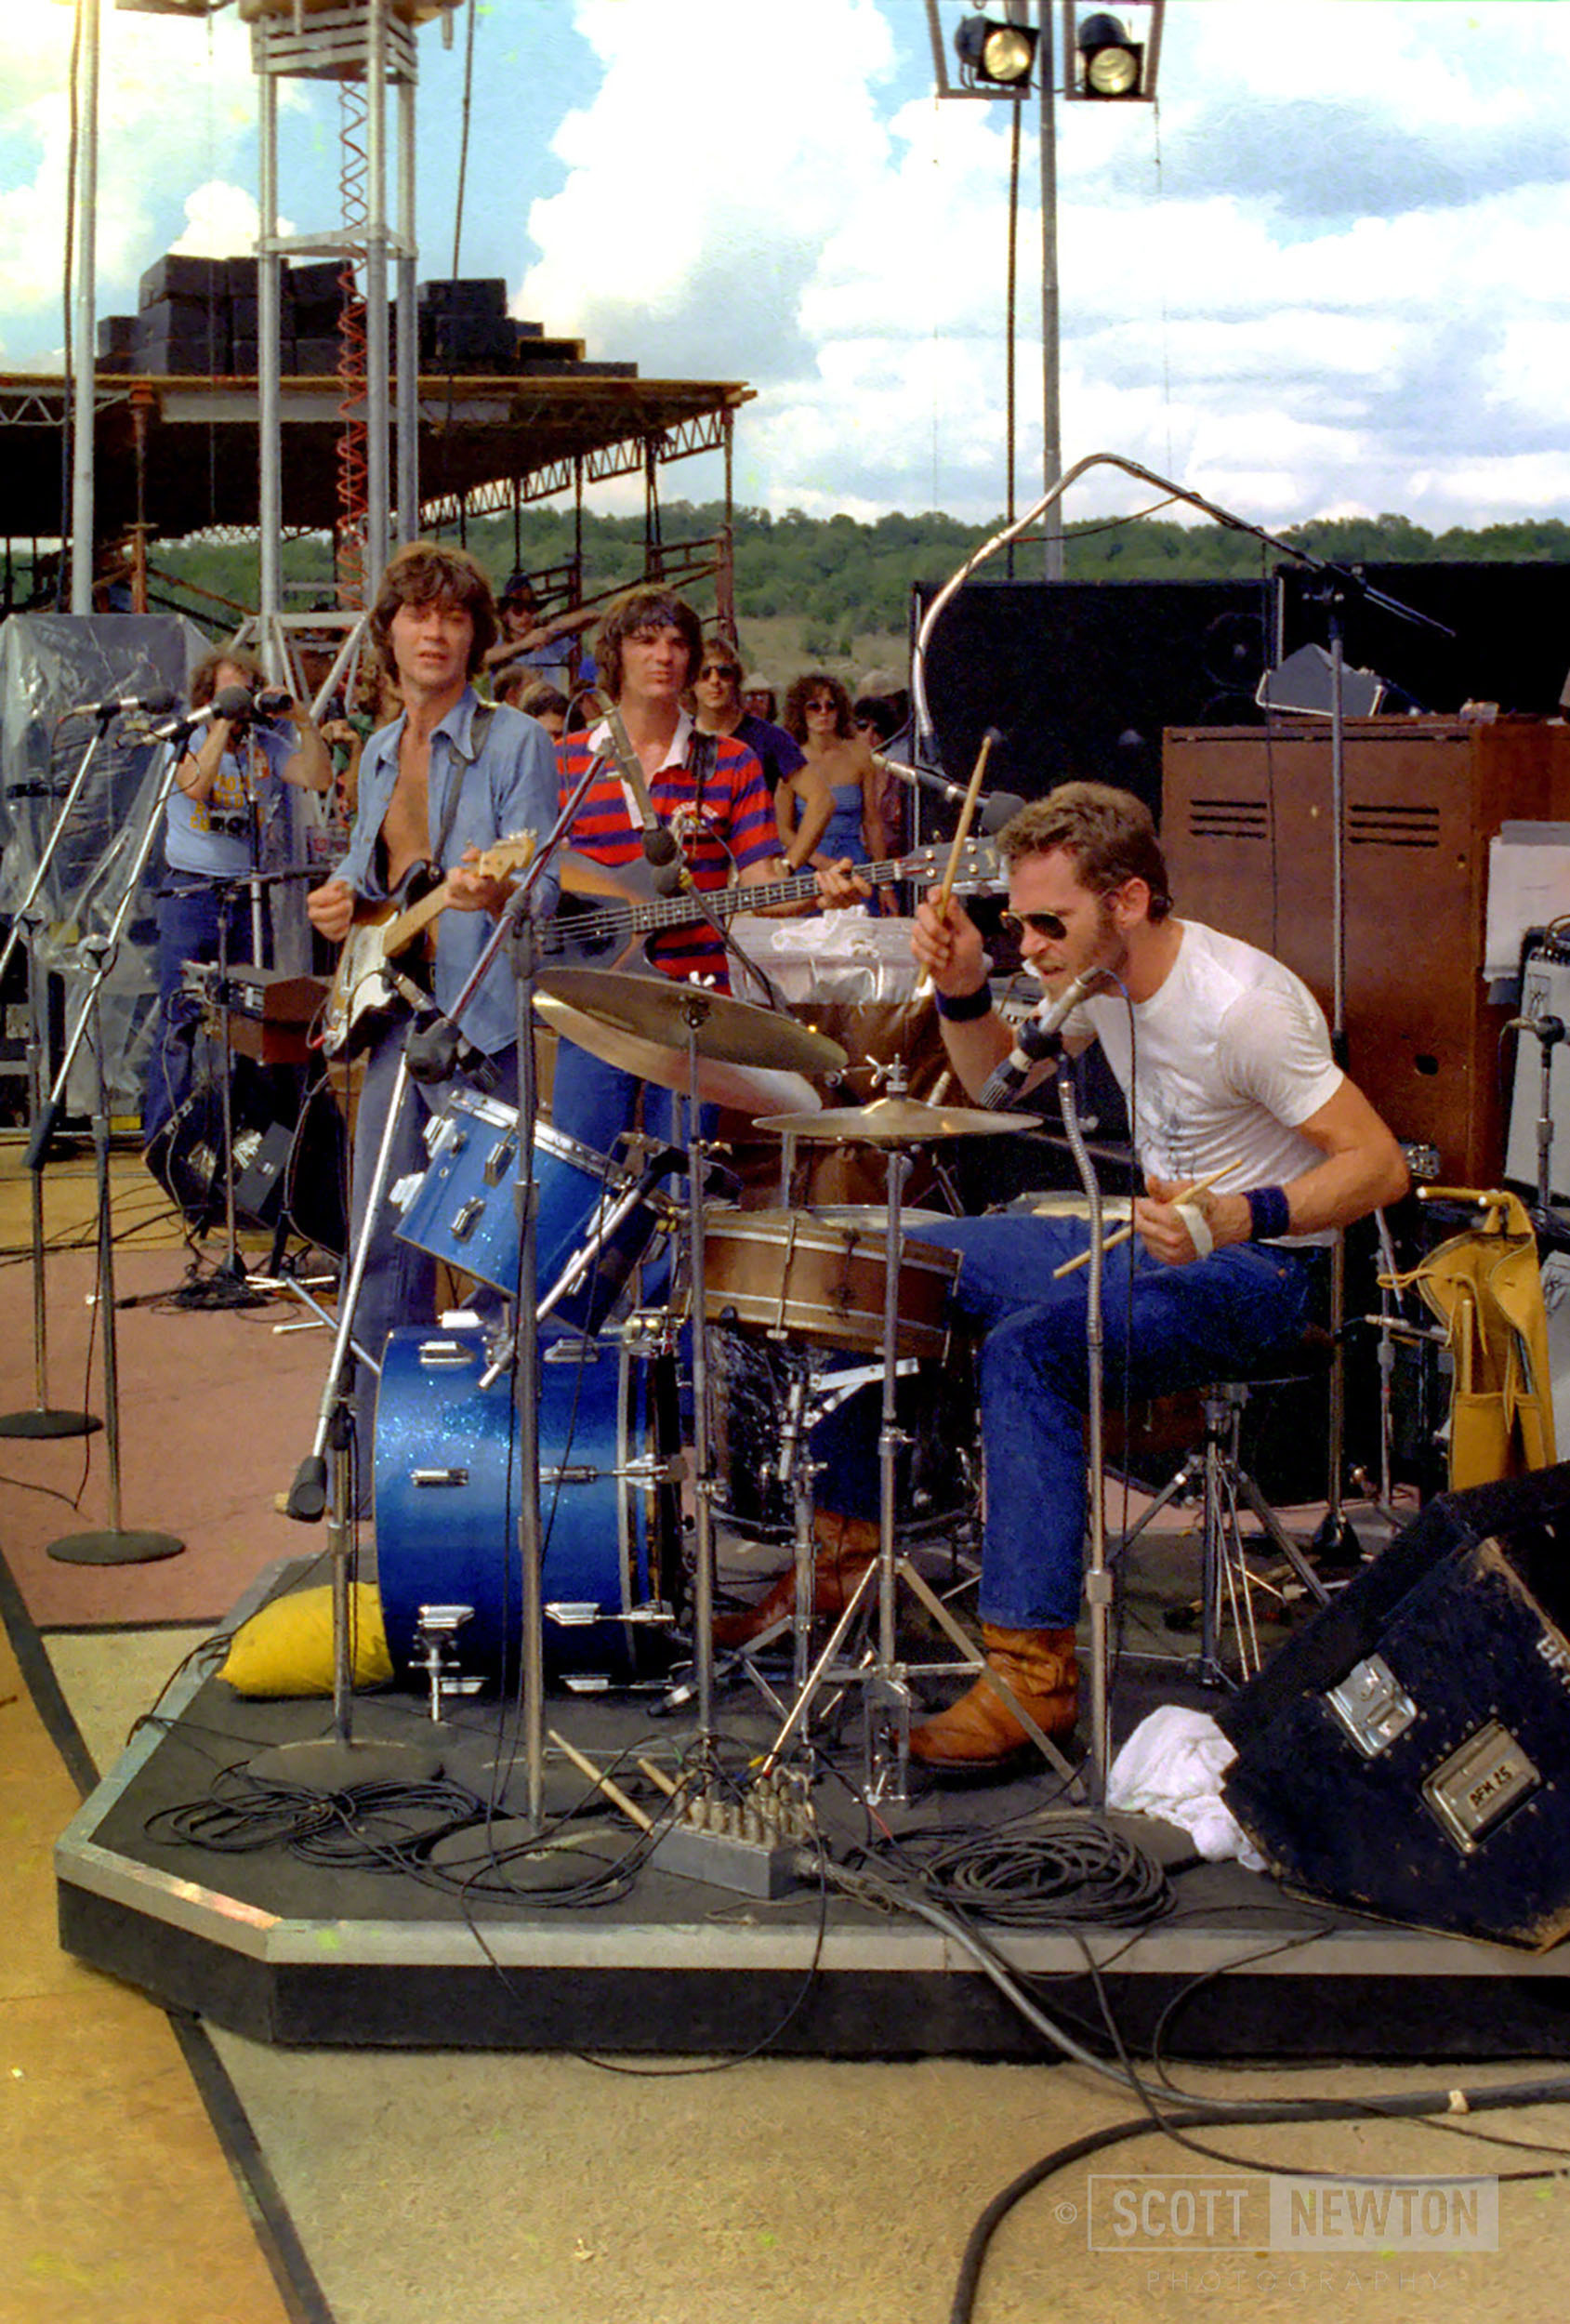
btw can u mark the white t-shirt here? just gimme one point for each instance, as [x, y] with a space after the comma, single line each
[1225, 1061]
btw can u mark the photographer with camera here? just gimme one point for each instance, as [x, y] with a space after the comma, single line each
[227, 789]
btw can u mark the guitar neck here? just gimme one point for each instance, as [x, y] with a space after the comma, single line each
[679, 910]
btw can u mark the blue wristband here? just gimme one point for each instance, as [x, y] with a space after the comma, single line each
[1270, 1213]
[958, 1007]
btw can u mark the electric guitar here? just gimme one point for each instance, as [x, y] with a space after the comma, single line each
[607, 934]
[365, 984]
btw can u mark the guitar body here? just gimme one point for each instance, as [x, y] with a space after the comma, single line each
[363, 988]
[367, 982]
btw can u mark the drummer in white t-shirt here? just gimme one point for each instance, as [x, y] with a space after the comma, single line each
[1225, 1061]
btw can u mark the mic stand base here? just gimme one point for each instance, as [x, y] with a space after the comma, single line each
[109, 1547]
[42, 1424]
[330, 1764]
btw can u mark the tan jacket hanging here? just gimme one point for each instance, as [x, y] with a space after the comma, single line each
[1485, 1287]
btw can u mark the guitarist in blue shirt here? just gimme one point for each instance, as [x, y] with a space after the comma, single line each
[441, 786]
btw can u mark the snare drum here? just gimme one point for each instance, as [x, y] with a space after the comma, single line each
[937, 1460]
[819, 1276]
[448, 1458]
[465, 1210]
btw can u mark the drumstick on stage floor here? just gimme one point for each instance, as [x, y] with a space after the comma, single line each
[1122, 1234]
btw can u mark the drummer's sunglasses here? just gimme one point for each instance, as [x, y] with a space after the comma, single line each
[1039, 923]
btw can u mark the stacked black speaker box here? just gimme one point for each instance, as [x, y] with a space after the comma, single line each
[1409, 1752]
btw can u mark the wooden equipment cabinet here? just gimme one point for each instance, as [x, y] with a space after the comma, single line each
[1246, 829]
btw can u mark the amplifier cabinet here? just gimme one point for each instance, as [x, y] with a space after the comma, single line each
[1248, 836]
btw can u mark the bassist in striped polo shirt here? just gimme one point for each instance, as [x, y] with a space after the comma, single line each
[707, 789]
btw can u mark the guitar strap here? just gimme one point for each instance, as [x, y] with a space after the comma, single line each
[479, 727]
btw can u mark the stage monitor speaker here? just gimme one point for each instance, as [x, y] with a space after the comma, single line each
[1409, 1754]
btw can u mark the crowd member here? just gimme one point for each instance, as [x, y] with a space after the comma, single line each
[817, 716]
[443, 783]
[374, 703]
[1225, 1063]
[718, 699]
[882, 715]
[526, 641]
[759, 698]
[228, 788]
[539, 700]
[708, 790]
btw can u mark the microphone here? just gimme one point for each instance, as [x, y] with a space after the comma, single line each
[1548, 1029]
[121, 706]
[1038, 1037]
[998, 807]
[230, 702]
[660, 847]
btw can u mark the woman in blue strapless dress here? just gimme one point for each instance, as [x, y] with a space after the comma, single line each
[817, 715]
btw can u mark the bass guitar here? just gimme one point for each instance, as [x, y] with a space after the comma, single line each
[366, 985]
[607, 933]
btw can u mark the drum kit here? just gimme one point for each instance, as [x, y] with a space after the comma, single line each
[789, 1322]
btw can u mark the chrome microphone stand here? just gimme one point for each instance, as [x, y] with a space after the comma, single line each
[44, 1420]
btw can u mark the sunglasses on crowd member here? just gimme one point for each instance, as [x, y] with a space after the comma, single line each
[1039, 923]
[719, 669]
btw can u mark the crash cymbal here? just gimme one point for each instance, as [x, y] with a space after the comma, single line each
[748, 1090]
[661, 1010]
[897, 1121]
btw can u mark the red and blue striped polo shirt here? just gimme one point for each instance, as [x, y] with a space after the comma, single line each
[735, 829]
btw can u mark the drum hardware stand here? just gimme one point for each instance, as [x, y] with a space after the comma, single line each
[1099, 1581]
[113, 1545]
[44, 1420]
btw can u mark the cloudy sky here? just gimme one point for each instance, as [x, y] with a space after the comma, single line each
[1325, 273]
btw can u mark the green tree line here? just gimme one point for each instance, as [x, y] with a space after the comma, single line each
[842, 577]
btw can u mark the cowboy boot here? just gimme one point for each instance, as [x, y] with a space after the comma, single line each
[980, 1734]
[845, 1548]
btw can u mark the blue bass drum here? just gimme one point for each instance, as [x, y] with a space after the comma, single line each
[447, 1461]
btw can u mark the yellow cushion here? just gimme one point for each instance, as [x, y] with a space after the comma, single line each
[286, 1647]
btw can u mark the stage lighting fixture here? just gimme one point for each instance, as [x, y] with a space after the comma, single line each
[999, 55]
[1111, 65]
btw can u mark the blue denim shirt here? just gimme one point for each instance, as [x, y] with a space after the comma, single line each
[508, 786]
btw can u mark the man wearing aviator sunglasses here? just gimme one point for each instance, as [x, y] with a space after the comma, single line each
[1225, 1060]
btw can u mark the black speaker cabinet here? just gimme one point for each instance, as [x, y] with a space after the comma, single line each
[1409, 1754]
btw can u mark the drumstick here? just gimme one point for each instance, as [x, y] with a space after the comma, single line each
[1122, 1234]
[602, 1782]
[962, 832]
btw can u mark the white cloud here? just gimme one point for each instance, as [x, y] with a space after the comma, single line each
[222, 221]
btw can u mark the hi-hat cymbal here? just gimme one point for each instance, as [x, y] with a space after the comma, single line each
[897, 1121]
[750, 1089]
[662, 1010]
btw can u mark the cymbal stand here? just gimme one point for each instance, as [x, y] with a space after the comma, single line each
[44, 1422]
[1097, 1575]
[696, 1008]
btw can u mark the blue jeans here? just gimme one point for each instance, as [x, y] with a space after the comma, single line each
[188, 930]
[1163, 1328]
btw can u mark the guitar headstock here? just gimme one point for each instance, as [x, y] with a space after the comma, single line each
[980, 866]
[512, 854]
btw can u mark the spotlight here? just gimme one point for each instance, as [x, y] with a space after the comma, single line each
[1111, 64]
[999, 55]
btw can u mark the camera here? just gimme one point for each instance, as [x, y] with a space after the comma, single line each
[230, 822]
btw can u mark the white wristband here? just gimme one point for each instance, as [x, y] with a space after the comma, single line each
[1198, 1227]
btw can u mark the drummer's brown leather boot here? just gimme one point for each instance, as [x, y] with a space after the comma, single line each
[979, 1735]
[846, 1547]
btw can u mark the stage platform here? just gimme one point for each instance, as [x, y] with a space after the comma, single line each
[296, 1946]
